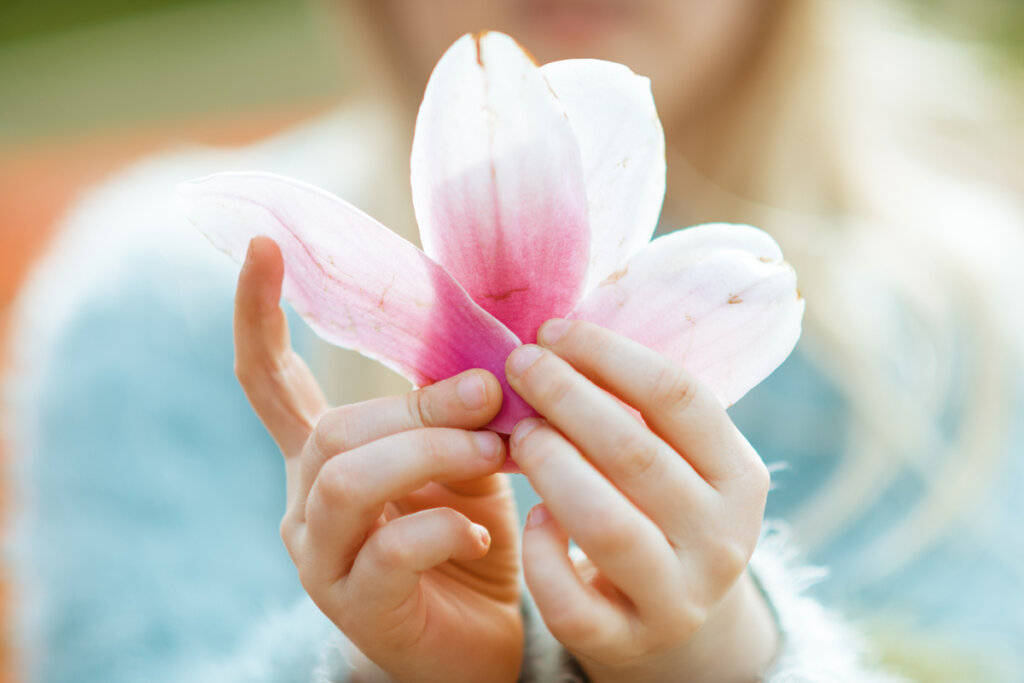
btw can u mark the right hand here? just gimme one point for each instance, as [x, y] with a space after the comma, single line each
[401, 530]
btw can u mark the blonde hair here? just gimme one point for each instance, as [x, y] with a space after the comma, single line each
[833, 143]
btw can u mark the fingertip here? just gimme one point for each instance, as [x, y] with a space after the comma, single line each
[491, 447]
[483, 535]
[476, 544]
[538, 516]
[259, 283]
[478, 395]
[520, 360]
[552, 331]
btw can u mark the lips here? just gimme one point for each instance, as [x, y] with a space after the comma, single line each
[577, 21]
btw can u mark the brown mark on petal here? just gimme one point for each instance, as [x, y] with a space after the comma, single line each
[799, 294]
[765, 259]
[734, 299]
[380, 304]
[616, 276]
[477, 37]
[506, 295]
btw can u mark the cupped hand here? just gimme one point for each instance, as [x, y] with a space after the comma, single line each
[666, 509]
[401, 530]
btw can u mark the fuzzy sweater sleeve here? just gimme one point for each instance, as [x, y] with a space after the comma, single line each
[817, 644]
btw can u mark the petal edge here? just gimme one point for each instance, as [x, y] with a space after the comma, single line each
[356, 283]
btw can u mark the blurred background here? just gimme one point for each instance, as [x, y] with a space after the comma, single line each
[88, 85]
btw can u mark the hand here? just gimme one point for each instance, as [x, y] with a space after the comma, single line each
[401, 531]
[667, 512]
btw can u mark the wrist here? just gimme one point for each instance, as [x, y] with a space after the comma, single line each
[737, 644]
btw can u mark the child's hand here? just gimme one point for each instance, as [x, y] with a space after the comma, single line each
[382, 500]
[667, 514]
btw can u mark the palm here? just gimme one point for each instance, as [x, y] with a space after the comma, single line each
[472, 607]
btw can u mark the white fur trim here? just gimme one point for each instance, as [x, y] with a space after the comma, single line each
[817, 645]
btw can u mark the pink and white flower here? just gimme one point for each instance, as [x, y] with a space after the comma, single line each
[537, 191]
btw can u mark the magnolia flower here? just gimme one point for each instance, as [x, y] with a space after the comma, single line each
[536, 190]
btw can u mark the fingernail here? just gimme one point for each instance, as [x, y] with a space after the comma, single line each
[483, 534]
[472, 392]
[524, 427]
[522, 358]
[538, 515]
[553, 330]
[489, 444]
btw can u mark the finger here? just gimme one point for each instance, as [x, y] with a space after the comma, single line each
[637, 461]
[577, 615]
[276, 381]
[625, 545]
[672, 401]
[387, 571]
[352, 489]
[468, 400]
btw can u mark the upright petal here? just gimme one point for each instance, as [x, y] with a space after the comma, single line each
[717, 299]
[622, 144]
[497, 183]
[355, 282]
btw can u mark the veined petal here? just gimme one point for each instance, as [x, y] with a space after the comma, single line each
[497, 183]
[622, 145]
[717, 299]
[355, 282]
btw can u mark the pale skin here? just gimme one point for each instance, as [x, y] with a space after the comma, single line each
[386, 500]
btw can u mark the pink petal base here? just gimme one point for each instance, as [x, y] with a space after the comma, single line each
[356, 283]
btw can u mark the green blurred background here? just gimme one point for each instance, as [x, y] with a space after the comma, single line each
[70, 66]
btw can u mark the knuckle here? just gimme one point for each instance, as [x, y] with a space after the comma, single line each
[288, 535]
[243, 373]
[335, 487]
[328, 433]
[533, 449]
[760, 480]
[570, 626]
[421, 408]
[390, 550]
[553, 388]
[596, 342]
[636, 456]
[431, 446]
[681, 620]
[450, 517]
[674, 389]
[617, 536]
[728, 559]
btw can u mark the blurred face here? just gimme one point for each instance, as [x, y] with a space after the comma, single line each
[690, 49]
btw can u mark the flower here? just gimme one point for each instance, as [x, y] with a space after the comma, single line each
[536, 190]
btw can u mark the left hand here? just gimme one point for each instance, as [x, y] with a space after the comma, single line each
[668, 513]
[386, 500]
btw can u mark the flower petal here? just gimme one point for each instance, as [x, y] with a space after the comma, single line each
[622, 144]
[497, 183]
[355, 282]
[717, 299]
